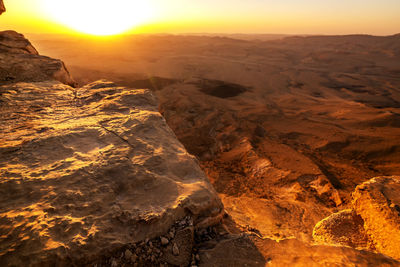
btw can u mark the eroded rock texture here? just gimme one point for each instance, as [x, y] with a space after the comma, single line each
[342, 228]
[85, 171]
[20, 62]
[372, 223]
[378, 203]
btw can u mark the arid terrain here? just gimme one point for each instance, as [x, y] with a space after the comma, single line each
[288, 129]
[285, 128]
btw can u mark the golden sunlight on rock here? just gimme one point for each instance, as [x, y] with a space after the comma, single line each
[200, 150]
[373, 223]
[378, 203]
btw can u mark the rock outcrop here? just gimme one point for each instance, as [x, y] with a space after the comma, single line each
[342, 228]
[240, 249]
[378, 203]
[2, 7]
[85, 171]
[20, 62]
[372, 223]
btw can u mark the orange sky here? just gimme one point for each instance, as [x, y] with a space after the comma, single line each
[212, 16]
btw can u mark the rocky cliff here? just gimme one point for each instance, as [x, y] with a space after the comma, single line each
[373, 222]
[94, 176]
[19, 62]
[87, 171]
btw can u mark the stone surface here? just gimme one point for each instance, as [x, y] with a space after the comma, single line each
[248, 249]
[377, 201]
[342, 228]
[20, 62]
[239, 250]
[179, 251]
[235, 251]
[85, 171]
[164, 241]
[285, 129]
[373, 222]
[292, 252]
[276, 219]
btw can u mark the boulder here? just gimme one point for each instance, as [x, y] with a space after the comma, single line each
[86, 171]
[377, 201]
[342, 228]
[20, 62]
[373, 222]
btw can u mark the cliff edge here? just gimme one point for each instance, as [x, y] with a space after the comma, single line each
[20, 62]
[87, 171]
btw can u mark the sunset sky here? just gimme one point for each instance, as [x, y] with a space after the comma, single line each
[378, 17]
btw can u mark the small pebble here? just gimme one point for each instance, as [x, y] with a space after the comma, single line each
[114, 263]
[128, 254]
[164, 241]
[175, 249]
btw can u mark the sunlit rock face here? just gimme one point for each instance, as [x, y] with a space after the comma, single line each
[85, 171]
[372, 223]
[20, 62]
[378, 203]
[2, 7]
[342, 228]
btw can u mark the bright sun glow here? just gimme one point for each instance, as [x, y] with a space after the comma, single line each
[99, 17]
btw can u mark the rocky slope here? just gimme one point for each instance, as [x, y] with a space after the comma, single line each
[378, 203]
[19, 61]
[285, 129]
[94, 174]
[374, 221]
[87, 171]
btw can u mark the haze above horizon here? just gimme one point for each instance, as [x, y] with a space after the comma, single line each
[177, 16]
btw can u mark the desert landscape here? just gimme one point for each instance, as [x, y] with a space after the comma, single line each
[288, 127]
[199, 150]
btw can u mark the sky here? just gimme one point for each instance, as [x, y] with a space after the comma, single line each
[377, 17]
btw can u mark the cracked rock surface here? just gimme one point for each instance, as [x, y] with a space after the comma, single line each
[85, 171]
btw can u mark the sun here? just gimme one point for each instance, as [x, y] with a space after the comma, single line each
[99, 17]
